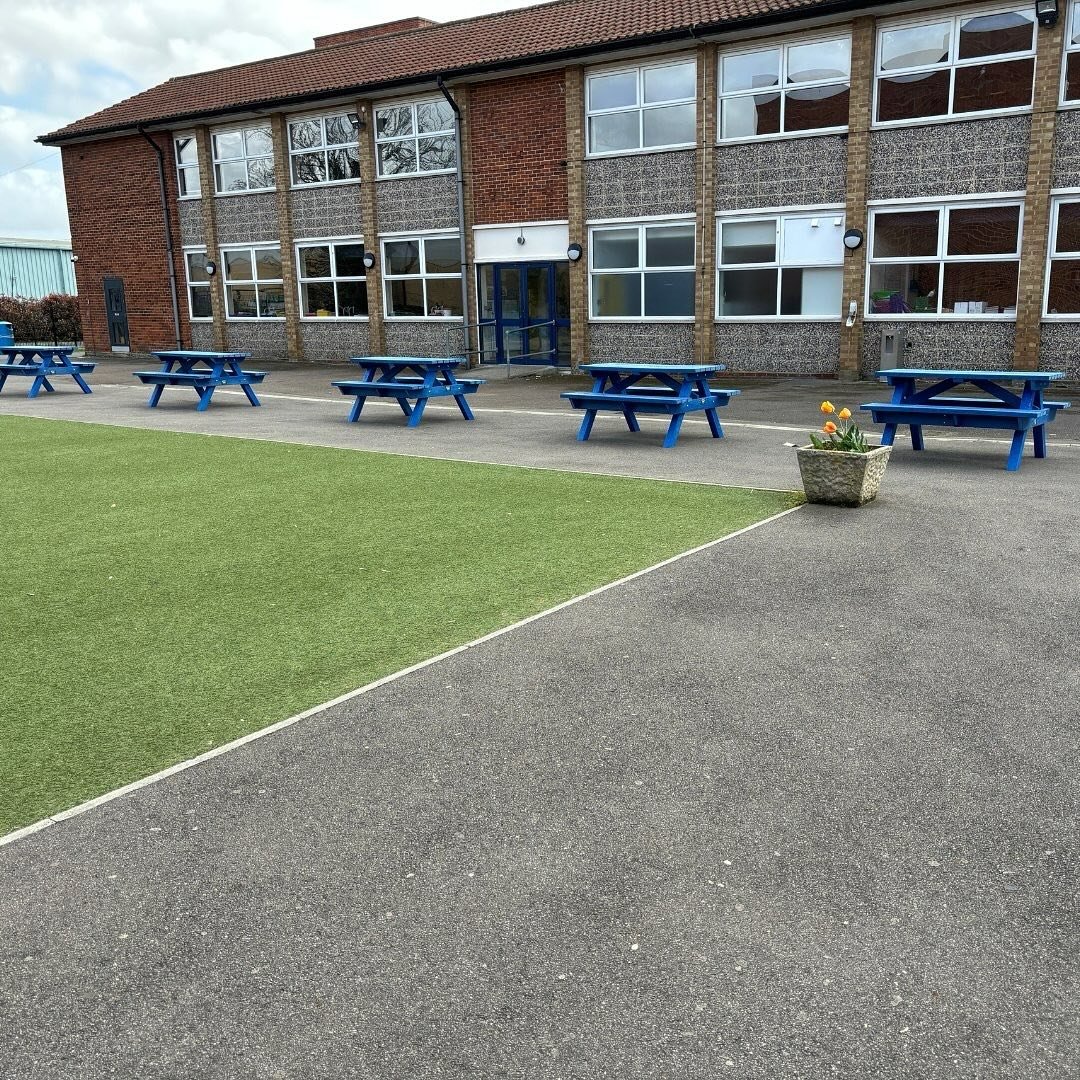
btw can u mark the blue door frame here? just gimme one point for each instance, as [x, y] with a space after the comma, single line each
[525, 313]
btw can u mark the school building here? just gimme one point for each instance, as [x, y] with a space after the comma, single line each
[771, 184]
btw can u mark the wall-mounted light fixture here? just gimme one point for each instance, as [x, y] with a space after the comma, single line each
[574, 252]
[369, 259]
[74, 258]
[853, 238]
[211, 268]
[1046, 11]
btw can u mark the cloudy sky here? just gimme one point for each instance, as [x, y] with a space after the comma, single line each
[63, 59]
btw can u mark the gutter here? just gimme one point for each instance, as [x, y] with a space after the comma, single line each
[168, 235]
[461, 218]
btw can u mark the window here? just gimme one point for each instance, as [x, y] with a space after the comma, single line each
[324, 149]
[1071, 86]
[961, 259]
[423, 277]
[198, 284]
[333, 282]
[244, 159]
[787, 89]
[415, 138]
[253, 285]
[642, 108]
[1063, 286]
[956, 66]
[780, 266]
[187, 167]
[642, 271]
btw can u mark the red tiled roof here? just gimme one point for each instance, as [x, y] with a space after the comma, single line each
[486, 41]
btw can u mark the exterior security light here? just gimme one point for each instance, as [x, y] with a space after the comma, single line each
[211, 267]
[853, 238]
[369, 259]
[573, 252]
[1047, 12]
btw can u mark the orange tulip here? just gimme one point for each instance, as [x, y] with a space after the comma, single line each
[844, 414]
[828, 407]
[829, 428]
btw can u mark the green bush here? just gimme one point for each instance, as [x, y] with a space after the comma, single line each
[54, 318]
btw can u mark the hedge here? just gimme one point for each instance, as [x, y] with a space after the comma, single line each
[53, 318]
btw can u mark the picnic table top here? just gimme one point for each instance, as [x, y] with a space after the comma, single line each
[200, 354]
[409, 361]
[29, 350]
[893, 374]
[649, 368]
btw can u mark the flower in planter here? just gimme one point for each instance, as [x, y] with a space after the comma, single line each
[844, 436]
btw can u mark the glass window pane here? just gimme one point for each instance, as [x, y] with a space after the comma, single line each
[397, 157]
[816, 107]
[394, 122]
[1074, 32]
[742, 117]
[989, 284]
[231, 176]
[616, 296]
[308, 168]
[444, 296]
[915, 46]
[238, 265]
[304, 134]
[344, 164]
[750, 71]
[437, 154]
[910, 235]
[443, 256]
[228, 144]
[669, 245]
[268, 264]
[819, 61]
[670, 125]
[1068, 228]
[200, 303]
[1072, 75]
[614, 131]
[241, 303]
[271, 302]
[994, 86]
[342, 129]
[434, 116]
[814, 291]
[187, 150]
[673, 82]
[510, 292]
[615, 249]
[1064, 295]
[352, 299]
[350, 260]
[900, 288]
[187, 180]
[257, 141]
[908, 97]
[403, 257]
[747, 242]
[747, 292]
[407, 297]
[992, 35]
[670, 294]
[990, 230]
[196, 266]
[315, 262]
[317, 299]
[612, 91]
[260, 173]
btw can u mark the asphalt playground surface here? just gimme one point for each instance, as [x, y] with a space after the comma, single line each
[800, 805]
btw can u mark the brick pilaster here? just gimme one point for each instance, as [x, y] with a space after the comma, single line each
[294, 343]
[209, 211]
[704, 308]
[855, 212]
[575, 184]
[369, 223]
[1029, 300]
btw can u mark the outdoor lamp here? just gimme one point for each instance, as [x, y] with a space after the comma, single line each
[369, 259]
[573, 252]
[853, 238]
[211, 267]
[1046, 11]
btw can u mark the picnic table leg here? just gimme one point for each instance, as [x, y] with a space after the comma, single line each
[631, 420]
[39, 382]
[81, 382]
[3, 379]
[888, 436]
[155, 395]
[205, 394]
[463, 405]
[1038, 433]
[246, 387]
[714, 424]
[417, 412]
[916, 437]
[357, 408]
[406, 408]
[1016, 451]
[673, 430]
[586, 425]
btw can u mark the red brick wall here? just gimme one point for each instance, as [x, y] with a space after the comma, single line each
[114, 204]
[517, 133]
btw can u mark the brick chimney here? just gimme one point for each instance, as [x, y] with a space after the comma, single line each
[362, 33]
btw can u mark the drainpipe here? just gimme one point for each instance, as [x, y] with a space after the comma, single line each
[168, 235]
[461, 220]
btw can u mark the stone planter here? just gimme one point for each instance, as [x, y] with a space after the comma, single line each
[841, 478]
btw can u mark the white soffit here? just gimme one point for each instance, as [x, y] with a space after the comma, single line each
[503, 243]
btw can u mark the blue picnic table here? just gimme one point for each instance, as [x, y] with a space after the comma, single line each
[407, 379]
[39, 362]
[203, 372]
[658, 389]
[1017, 410]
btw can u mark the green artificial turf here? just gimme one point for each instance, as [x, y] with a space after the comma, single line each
[162, 593]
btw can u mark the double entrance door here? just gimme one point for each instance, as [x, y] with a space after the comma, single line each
[525, 313]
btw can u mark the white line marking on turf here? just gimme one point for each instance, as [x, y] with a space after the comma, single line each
[164, 774]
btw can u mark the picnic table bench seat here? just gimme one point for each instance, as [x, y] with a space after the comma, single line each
[195, 378]
[15, 368]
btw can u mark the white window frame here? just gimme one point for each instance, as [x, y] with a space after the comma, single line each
[641, 224]
[301, 280]
[182, 169]
[641, 108]
[226, 281]
[197, 249]
[952, 64]
[781, 217]
[388, 278]
[1072, 23]
[323, 148]
[781, 89]
[414, 138]
[944, 206]
[243, 129]
[1057, 198]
